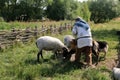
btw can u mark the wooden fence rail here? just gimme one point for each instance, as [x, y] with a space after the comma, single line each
[7, 38]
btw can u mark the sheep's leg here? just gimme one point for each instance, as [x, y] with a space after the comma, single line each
[98, 58]
[55, 54]
[96, 55]
[104, 55]
[39, 53]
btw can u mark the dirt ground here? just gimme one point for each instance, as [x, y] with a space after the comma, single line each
[109, 63]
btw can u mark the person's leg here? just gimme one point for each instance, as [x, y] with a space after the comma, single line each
[78, 54]
[88, 52]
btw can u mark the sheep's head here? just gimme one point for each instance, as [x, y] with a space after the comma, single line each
[73, 44]
[66, 54]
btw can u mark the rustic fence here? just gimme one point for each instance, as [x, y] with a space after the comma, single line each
[8, 38]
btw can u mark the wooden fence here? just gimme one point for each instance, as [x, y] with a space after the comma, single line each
[8, 38]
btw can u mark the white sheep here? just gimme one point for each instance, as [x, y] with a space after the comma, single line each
[67, 40]
[116, 73]
[49, 43]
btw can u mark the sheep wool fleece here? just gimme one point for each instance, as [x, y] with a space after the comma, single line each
[49, 43]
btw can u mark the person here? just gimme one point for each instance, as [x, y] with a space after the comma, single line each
[82, 31]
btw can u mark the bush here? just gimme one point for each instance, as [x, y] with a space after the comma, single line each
[1, 19]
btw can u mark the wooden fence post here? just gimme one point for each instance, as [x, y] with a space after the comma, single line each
[60, 29]
[51, 29]
[36, 32]
[43, 30]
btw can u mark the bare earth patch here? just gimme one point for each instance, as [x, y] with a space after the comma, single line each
[108, 63]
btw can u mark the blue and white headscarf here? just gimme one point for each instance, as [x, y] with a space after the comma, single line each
[83, 24]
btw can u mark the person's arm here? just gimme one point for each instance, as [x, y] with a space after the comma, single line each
[74, 30]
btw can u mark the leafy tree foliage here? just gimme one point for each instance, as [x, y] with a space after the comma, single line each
[84, 11]
[27, 10]
[103, 10]
[67, 9]
[56, 10]
[22, 9]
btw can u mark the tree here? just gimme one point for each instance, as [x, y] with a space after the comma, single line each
[56, 10]
[103, 10]
[67, 9]
[84, 11]
[25, 10]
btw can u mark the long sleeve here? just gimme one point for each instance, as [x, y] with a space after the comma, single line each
[74, 30]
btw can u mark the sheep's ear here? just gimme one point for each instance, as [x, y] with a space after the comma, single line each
[74, 41]
[65, 49]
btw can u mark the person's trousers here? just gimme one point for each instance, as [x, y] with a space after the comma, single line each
[87, 50]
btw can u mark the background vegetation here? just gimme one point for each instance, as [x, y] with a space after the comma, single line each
[34, 10]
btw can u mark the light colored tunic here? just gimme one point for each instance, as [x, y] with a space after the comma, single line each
[81, 31]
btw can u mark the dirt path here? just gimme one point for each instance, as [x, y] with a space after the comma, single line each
[108, 63]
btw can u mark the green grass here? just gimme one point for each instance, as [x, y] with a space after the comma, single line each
[23, 25]
[19, 62]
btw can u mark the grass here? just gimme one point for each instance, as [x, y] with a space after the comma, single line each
[23, 25]
[19, 62]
